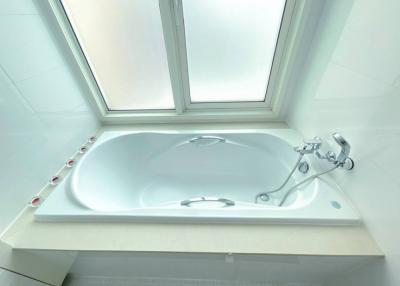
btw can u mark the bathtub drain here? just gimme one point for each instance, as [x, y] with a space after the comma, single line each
[264, 197]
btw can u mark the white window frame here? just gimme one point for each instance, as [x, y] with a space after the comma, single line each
[294, 16]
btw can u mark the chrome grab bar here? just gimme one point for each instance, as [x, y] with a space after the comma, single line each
[187, 203]
[217, 138]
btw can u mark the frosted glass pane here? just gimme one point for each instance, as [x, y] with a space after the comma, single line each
[230, 47]
[124, 45]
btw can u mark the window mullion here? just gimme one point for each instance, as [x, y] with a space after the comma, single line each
[182, 53]
[171, 17]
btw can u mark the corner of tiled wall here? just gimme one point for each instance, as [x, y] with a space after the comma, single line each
[44, 113]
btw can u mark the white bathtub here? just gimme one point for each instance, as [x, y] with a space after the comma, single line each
[197, 177]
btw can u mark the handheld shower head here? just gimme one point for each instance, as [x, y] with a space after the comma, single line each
[345, 147]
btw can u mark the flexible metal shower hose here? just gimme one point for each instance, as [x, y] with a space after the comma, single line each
[288, 192]
[284, 183]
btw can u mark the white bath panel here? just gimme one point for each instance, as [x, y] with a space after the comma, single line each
[195, 269]
[113, 281]
[8, 278]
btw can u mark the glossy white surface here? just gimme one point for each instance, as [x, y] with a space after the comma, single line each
[41, 107]
[145, 176]
[351, 83]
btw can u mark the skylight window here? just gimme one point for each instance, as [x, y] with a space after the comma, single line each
[124, 45]
[184, 58]
[230, 47]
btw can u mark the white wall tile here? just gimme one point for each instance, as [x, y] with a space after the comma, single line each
[44, 115]
[350, 84]
[329, 88]
[365, 45]
[17, 7]
[51, 91]
[17, 115]
[27, 48]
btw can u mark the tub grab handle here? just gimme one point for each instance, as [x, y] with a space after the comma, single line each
[216, 138]
[187, 203]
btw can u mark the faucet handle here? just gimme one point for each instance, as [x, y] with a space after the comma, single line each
[313, 144]
[316, 141]
[310, 146]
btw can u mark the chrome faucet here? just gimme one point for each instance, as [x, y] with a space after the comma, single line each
[345, 148]
[312, 146]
